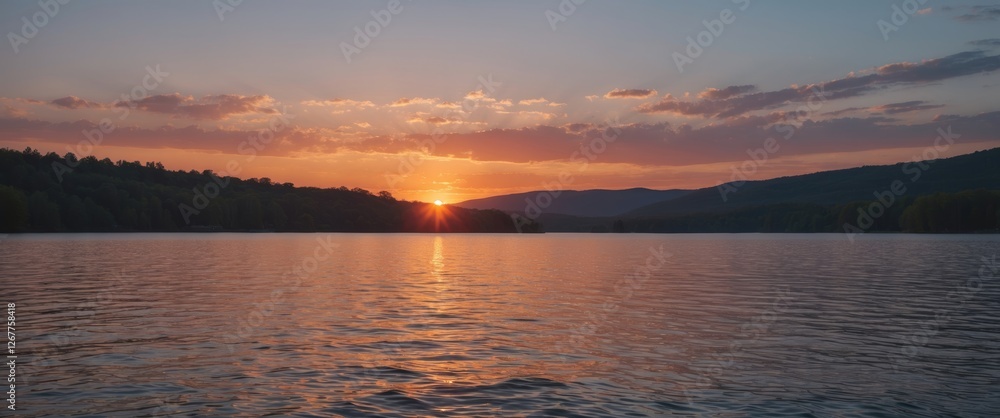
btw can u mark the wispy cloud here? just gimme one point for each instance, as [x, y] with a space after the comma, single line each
[212, 107]
[413, 101]
[904, 107]
[73, 102]
[736, 100]
[359, 104]
[725, 93]
[979, 13]
[630, 94]
[541, 101]
[986, 42]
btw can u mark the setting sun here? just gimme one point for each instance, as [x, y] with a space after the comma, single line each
[438, 202]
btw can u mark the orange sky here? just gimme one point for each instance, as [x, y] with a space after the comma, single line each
[514, 103]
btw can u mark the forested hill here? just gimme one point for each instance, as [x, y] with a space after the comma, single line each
[43, 193]
[957, 194]
[586, 203]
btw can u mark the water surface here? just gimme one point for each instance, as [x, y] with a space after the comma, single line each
[504, 325]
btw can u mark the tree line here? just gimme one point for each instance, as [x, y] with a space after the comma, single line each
[962, 212]
[52, 193]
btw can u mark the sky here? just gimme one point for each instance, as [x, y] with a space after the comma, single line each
[455, 100]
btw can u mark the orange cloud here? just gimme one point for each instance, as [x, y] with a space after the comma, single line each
[73, 102]
[630, 94]
[413, 101]
[339, 103]
[540, 101]
[212, 107]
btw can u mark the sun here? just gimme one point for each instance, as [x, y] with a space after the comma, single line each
[438, 202]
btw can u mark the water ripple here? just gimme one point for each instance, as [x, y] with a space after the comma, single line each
[499, 325]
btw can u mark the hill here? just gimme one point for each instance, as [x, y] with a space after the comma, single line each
[958, 194]
[42, 193]
[965, 172]
[585, 203]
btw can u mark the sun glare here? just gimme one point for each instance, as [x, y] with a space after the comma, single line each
[438, 202]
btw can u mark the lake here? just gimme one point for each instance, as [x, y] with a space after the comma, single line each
[504, 325]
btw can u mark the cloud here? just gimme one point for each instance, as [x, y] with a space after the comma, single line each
[73, 102]
[889, 109]
[664, 144]
[414, 101]
[725, 93]
[903, 107]
[926, 11]
[577, 127]
[433, 120]
[165, 136]
[639, 144]
[339, 103]
[539, 101]
[630, 94]
[980, 13]
[880, 78]
[530, 114]
[9, 111]
[213, 107]
[986, 42]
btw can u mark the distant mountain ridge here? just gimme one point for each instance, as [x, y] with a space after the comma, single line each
[586, 203]
[957, 194]
[979, 170]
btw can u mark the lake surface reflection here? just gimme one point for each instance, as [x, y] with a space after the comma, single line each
[504, 325]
